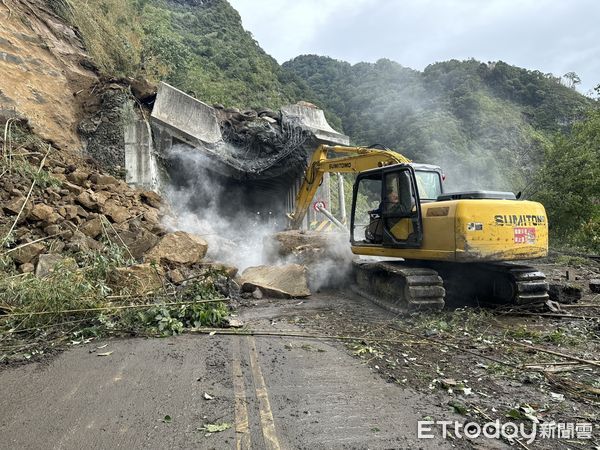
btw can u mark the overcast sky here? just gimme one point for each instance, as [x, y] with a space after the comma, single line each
[555, 36]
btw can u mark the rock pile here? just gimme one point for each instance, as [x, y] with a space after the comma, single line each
[73, 209]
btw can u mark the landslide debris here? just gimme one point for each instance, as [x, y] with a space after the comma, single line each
[285, 281]
[263, 143]
[82, 252]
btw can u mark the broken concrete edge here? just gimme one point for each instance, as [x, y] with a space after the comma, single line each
[194, 122]
[187, 118]
[313, 119]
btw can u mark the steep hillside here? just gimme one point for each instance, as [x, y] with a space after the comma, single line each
[199, 46]
[42, 72]
[487, 124]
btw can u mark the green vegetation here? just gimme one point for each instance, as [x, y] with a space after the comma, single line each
[487, 124]
[568, 184]
[75, 303]
[200, 47]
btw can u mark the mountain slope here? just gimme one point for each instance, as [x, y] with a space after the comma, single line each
[486, 124]
[199, 46]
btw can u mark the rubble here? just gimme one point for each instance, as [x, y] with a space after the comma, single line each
[278, 281]
[28, 253]
[327, 256]
[595, 286]
[73, 207]
[48, 262]
[303, 247]
[138, 279]
[178, 248]
[564, 293]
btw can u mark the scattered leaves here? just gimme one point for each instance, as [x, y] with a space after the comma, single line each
[211, 428]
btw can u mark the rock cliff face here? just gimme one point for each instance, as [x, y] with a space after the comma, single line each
[45, 71]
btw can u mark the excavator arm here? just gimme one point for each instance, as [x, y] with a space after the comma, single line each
[355, 160]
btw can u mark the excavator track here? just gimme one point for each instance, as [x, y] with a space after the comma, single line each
[492, 284]
[403, 287]
[399, 288]
[517, 284]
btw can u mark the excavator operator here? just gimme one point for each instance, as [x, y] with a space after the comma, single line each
[374, 232]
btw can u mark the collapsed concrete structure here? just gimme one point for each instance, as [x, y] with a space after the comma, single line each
[257, 156]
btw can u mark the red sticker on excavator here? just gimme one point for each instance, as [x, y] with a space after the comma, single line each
[524, 235]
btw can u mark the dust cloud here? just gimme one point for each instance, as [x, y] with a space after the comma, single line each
[197, 199]
[202, 204]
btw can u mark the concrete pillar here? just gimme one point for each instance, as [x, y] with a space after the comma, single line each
[140, 163]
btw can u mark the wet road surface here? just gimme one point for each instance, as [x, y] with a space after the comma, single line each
[275, 392]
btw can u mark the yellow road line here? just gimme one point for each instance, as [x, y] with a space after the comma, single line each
[322, 225]
[266, 415]
[242, 433]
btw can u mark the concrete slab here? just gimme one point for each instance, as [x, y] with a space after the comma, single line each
[313, 119]
[186, 118]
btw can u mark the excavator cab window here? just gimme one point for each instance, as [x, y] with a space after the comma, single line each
[401, 211]
[396, 220]
[367, 209]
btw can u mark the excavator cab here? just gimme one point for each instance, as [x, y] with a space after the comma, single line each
[396, 222]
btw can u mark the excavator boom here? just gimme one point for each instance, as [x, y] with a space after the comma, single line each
[354, 160]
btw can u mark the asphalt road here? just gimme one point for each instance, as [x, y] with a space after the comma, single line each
[275, 392]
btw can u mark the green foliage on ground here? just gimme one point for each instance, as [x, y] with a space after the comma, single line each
[75, 303]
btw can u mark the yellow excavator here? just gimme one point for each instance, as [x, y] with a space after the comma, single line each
[433, 247]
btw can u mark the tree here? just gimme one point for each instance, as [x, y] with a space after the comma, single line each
[569, 184]
[572, 79]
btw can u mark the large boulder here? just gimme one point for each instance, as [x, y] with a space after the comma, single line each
[152, 198]
[14, 205]
[278, 281]
[139, 279]
[115, 211]
[27, 253]
[178, 248]
[306, 247]
[44, 213]
[92, 228]
[103, 180]
[138, 242]
[47, 263]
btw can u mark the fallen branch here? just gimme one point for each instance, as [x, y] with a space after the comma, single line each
[30, 243]
[12, 228]
[556, 316]
[574, 388]
[293, 334]
[109, 308]
[552, 352]
[562, 368]
[104, 219]
[581, 305]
